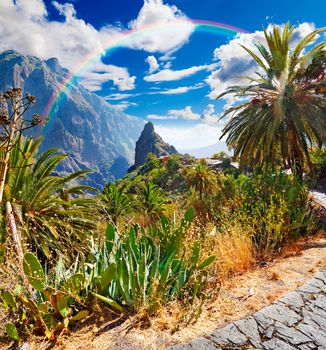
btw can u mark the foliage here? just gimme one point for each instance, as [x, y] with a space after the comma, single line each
[140, 269]
[53, 215]
[202, 178]
[151, 201]
[13, 106]
[286, 103]
[147, 266]
[272, 206]
[115, 201]
[50, 304]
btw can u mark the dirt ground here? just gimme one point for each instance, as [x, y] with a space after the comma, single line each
[238, 297]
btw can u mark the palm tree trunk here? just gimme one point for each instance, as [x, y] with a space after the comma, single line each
[295, 159]
[14, 232]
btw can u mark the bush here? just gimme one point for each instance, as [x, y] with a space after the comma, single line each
[274, 206]
[140, 269]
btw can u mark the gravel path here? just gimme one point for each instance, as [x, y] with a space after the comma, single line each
[295, 321]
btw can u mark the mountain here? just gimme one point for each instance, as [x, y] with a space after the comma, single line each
[207, 151]
[151, 142]
[90, 131]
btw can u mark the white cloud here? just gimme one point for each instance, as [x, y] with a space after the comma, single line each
[67, 10]
[185, 113]
[25, 27]
[167, 65]
[119, 96]
[234, 61]
[101, 73]
[178, 90]
[161, 117]
[123, 105]
[198, 136]
[171, 75]
[153, 64]
[208, 115]
[156, 15]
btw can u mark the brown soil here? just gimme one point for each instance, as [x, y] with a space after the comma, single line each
[238, 297]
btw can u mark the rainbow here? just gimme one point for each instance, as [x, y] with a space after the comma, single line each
[124, 38]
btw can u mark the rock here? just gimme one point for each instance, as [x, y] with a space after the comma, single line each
[249, 328]
[277, 344]
[264, 322]
[291, 335]
[293, 300]
[150, 142]
[93, 133]
[228, 334]
[321, 276]
[281, 314]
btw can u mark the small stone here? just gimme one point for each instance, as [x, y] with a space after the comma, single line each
[291, 335]
[277, 344]
[321, 276]
[293, 300]
[202, 343]
[269, 332]
[282, 314]
[249, 328]
[228, 334]
[307, 288]
[317, 283]
[263, 321]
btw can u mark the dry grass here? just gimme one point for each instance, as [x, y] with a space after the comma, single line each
[234, 252]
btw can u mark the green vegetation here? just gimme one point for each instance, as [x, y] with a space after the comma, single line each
[284, 112]
[160, 235]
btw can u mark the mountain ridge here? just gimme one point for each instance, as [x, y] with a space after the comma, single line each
[86, 127]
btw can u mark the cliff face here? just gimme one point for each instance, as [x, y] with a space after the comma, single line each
[93, 133]
[150, 141]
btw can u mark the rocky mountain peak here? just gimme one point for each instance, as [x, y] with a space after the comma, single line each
[151, 142]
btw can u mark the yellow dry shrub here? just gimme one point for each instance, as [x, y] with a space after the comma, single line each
[234, 252]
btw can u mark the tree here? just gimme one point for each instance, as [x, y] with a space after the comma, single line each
[151, 201]
[202, 178]
[12, 123]
[13, 107]
[53, 215]
[116, 202]
[285, 109]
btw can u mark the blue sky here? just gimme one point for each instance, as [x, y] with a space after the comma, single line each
[169, 77]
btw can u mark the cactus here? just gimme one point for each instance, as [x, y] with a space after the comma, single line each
[75, 283]
[12, 331]
[34, 272]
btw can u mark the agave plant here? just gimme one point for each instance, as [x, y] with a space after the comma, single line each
[137, 270]
[52, 214]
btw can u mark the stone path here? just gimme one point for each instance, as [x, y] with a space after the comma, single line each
[295, 321]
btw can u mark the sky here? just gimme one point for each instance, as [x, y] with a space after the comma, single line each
[170, 75]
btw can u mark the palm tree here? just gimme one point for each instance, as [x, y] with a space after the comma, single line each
[151, 201]
[202, 178]
[285, 109]
[115, 201]
[53, 215]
